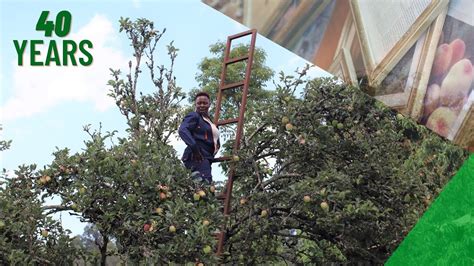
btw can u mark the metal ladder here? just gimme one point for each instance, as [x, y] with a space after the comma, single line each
[227, 194]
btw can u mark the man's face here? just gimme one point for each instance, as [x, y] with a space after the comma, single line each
[202, 104]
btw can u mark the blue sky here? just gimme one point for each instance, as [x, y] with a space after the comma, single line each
[46, 107]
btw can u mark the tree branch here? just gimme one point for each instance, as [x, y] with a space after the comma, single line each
[278, 177]
[55, 209]
[260, 128]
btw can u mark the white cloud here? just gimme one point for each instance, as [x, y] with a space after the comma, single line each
[39, 88]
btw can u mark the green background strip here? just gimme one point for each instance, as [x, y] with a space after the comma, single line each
[445, 233]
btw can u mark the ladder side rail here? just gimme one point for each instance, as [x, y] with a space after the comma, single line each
[222, 81]
[240, 125]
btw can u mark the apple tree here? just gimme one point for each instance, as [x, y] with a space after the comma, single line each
[332, 176]
[28, 234]
[133, 188]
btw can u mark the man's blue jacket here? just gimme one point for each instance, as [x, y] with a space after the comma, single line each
[197, 134]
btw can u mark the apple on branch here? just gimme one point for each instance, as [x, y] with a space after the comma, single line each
[47, 178]
[172, 229]
[202, 193]
[159, 211]
[307, 199]
[147, 227]
[207, 249]
[325, 206]
[163, 196]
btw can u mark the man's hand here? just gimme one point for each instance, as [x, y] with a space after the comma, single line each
[197, 156]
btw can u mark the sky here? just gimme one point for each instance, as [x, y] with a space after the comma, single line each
[44, 107]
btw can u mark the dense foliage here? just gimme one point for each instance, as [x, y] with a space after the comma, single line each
[330, 175]
[351, 176]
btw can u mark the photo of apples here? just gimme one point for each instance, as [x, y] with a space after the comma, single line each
[451, 77]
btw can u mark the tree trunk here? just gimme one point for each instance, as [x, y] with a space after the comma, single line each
[103, 250]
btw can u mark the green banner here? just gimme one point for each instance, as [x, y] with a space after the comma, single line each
[445, 233]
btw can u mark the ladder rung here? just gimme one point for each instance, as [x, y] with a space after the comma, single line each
[236, 59]
[233, 85]
[227, 121]
[242, 34]
[219, 234]
[223, 158]
[221, 196]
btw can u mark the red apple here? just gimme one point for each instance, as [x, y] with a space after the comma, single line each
[163, 196]
[146, 227]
